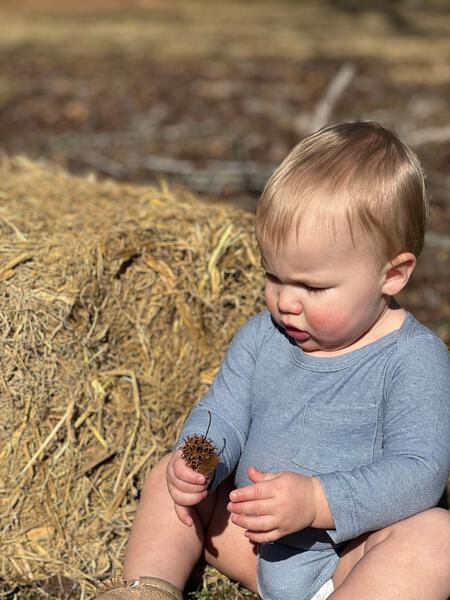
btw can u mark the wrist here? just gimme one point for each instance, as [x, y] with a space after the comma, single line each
[323, 518]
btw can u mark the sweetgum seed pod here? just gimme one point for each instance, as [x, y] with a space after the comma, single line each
[200, 454]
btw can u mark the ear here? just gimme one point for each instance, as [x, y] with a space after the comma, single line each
[397, 273]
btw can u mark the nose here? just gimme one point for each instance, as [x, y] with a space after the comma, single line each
[287, 302]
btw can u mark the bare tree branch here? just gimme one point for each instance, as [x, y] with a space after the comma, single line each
[328, 101]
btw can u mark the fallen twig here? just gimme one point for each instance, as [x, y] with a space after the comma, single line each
[211, 179]
[326, 104]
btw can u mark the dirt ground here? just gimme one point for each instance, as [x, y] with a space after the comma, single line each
[212, 95]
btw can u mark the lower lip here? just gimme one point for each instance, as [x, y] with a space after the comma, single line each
[297, 334]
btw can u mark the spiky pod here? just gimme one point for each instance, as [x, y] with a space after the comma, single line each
[200, 454]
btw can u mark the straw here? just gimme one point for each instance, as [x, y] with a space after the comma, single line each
[116, 305]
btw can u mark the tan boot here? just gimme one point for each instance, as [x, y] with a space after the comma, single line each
[143, 588]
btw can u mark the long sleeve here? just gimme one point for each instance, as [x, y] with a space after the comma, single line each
[229, 400]
[411, 474]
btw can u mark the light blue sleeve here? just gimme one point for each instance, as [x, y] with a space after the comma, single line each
[229, 400]
[412, 472]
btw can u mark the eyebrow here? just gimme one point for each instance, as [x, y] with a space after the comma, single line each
[308, 282]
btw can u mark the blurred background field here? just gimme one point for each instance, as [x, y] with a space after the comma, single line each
[210, 96]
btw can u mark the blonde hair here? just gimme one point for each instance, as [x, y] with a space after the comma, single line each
[360, 170]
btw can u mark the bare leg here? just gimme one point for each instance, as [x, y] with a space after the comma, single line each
[226, 546]
[410, 560]
[161, 546]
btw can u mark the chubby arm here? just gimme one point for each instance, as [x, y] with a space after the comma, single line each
[411, 474]
[229, 399]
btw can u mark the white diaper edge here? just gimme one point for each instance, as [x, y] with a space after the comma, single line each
[326, 590]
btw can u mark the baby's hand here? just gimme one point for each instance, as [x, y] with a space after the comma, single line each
[186, 487]
[275, 505]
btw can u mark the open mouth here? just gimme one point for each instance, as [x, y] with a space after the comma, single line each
[297, 334]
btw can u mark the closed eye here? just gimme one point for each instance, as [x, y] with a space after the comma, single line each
[314, 290]
[310, 288]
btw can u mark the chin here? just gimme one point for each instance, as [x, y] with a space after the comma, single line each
[309, 346]
[313, 346]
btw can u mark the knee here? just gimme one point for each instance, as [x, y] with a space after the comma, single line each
[430, 530]
[434, 536]
[437, 523]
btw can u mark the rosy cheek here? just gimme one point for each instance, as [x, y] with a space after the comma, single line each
[328, 320]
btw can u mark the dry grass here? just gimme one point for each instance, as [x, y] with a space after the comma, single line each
[116, 304]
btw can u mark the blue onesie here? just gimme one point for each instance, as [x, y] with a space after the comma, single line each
[373, 425]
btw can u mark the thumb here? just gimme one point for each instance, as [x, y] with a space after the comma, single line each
[256, 475]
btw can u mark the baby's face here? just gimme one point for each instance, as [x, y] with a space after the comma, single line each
[325, 290]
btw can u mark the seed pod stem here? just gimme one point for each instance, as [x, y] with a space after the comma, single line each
[199, 452]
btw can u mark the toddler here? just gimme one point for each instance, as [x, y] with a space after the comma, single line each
[330, 412]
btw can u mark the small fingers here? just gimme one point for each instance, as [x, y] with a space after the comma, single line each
[186, 499]
[264, 537]
[185, 473]
[255, 523]
[257, 491]
[250, 507]
[184, 514]
[188, 488]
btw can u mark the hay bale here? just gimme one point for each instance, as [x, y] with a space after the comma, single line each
[116, 305]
